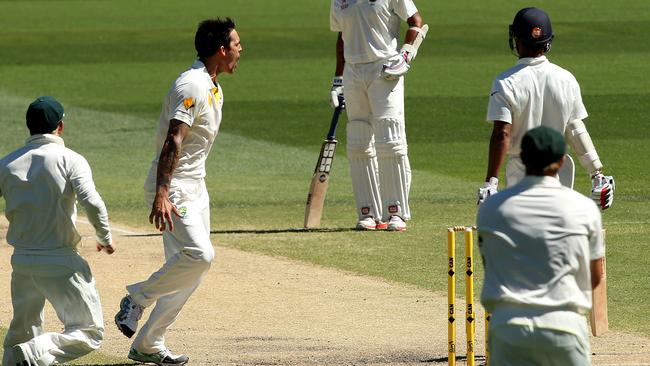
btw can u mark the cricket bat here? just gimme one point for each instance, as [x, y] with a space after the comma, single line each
[320, 179]
[598, 316]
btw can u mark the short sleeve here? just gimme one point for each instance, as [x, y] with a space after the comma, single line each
[187, 101]
[499, 108]
[578, 110]
[404, 8]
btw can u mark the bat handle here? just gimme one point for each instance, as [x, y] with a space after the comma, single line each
[335, 118]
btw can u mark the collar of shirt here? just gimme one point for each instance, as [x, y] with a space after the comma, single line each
[198, 64]
[45, 138]
[529, 61]
[536, 180]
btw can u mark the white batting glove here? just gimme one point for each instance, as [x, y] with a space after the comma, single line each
[397, 66]
[336, 93]
[602, 190]
[489, 188]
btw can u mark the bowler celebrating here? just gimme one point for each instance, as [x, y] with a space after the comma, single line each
[180, 206]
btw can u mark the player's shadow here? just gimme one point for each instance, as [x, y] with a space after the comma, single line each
[282, 231]
[262, 231]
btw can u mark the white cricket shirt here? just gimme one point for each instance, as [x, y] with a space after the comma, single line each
[193, 99]
[535, 92]
[537, 239]
[41, 182]
[370, 29]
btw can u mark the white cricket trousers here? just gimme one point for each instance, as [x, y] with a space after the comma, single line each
[517, 345]
[67, 283]
[376, 142]
[188, 255]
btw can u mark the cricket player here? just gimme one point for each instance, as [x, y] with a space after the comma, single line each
[542, 248]
[175, 187]
[536, 92]
[41, 183]
[370, 68]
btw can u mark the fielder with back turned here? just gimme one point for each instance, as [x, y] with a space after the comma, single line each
[42, 182]
[554, 233]
[536, 92]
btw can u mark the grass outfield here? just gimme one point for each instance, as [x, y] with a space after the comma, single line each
[110, 64]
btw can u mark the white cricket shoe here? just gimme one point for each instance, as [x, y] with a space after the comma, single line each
[127, 318]
[396, 223]
[369, 223]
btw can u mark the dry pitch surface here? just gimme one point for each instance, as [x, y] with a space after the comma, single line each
[257, 310]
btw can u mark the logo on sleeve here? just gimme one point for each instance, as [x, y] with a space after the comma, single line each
[188, 102]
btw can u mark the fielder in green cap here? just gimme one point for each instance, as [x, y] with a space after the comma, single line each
[44, 115]
[555, 233]
[41, 183]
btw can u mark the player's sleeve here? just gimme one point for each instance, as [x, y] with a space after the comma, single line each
[81, 179]
[404, 8]
[335, 23]
[499, 105]
[578, 110]
[187, 102]
[596, 244]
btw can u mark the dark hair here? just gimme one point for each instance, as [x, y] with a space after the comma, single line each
[211, 35]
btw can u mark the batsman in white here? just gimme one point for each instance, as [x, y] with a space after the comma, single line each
[41, 183]
[175, 188]
[536, 92]
[370, 68]
[542, 248]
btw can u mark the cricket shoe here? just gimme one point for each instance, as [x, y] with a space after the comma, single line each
[127, 318]
[369, 223]
[162, 358]
[396, 223]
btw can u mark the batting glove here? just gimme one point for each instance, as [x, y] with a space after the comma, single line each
[602, 190]
[336, 93]
[489, 189]
[397, 66]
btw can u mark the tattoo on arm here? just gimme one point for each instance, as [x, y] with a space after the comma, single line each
[170, 153]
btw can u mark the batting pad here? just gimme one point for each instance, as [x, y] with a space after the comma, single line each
[394, 168]
[363, 169]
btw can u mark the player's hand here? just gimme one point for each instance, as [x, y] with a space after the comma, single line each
[336, 93]
[489, 188]
[109, 249]
[602, 190]
[161, 212]
[396, 66]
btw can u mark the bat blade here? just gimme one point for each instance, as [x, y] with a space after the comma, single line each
[319, 184]
[598, 316]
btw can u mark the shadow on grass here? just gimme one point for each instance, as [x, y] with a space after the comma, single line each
[261, 231]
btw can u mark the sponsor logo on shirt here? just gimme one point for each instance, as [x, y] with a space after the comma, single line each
[182, 211]
[343, 4]
[188, 102]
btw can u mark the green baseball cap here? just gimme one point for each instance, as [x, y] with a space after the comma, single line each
[541, 147]
[44, 115]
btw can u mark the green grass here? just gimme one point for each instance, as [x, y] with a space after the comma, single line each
[111, 62]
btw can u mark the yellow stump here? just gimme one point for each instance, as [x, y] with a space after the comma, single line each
[451, 296]
[469, 295]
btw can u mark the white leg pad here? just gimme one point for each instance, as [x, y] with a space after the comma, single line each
[363, 169]
[394, 167]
